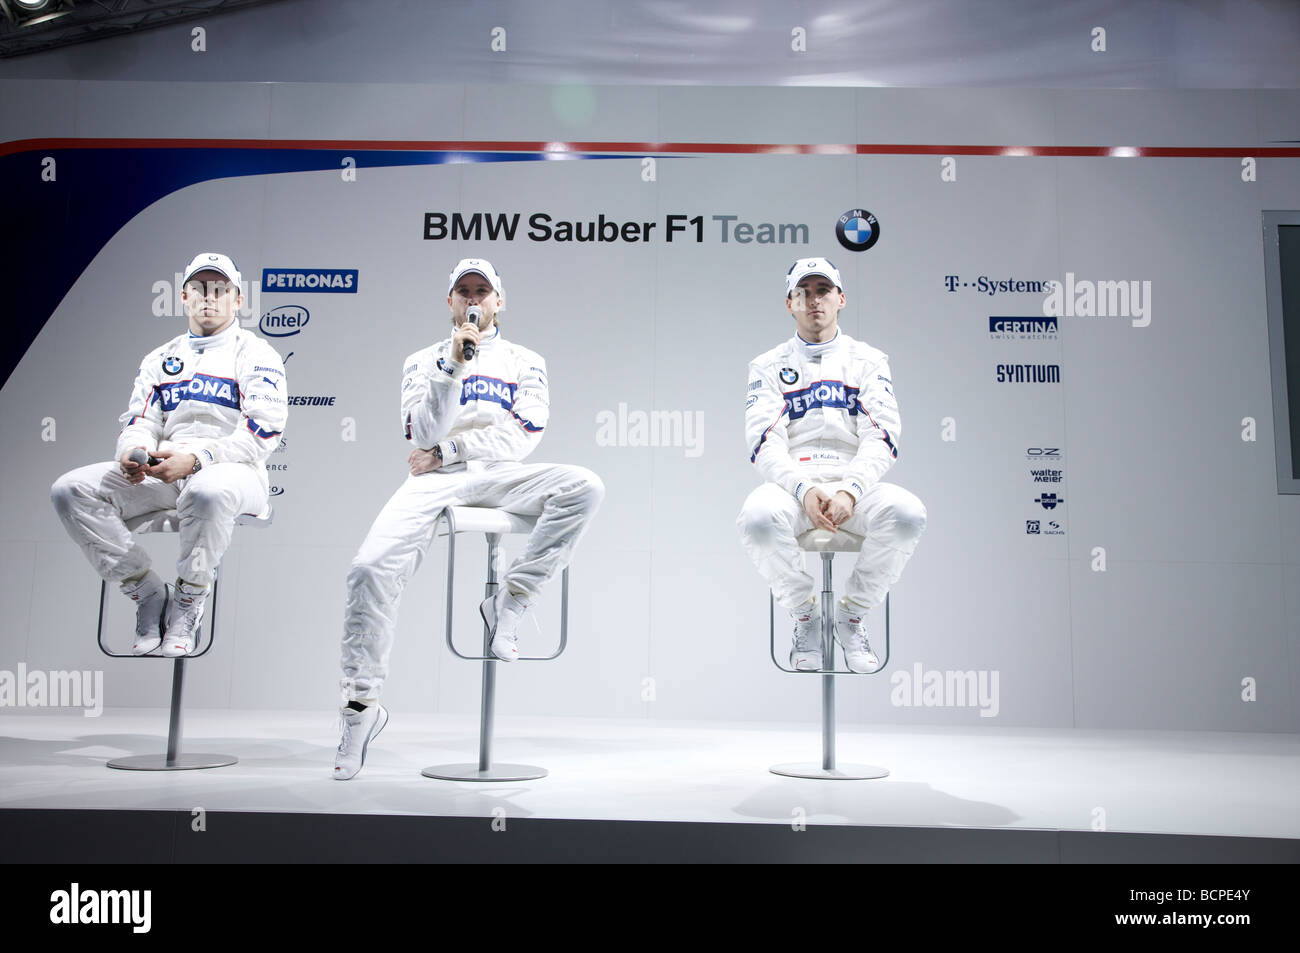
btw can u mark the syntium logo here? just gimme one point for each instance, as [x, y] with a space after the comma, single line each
[1029, 373]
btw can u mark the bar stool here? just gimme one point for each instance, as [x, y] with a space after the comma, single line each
[494, 524]
[828, 544]
[168, 521]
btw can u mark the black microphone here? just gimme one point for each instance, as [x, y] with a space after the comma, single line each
[143, 458]
[475, 314]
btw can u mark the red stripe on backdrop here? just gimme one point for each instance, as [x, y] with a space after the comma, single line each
[662, 148]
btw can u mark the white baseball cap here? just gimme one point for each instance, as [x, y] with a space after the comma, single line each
[480, 266]
[804, 267]
[212, 261]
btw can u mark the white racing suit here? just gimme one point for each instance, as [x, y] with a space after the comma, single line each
[221, 398]
[487, 415]
[824, 415]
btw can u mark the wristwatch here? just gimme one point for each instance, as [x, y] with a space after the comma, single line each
[437, 452]
[198, 465]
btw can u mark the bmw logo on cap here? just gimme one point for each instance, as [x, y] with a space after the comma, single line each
[857, 229]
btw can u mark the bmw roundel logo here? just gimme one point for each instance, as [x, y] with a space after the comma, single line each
[857, 229]
[173, 365]
[789, 375]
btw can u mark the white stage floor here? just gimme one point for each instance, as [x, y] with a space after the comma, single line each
[1200, 783]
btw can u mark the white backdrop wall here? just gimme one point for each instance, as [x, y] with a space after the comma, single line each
[1202, 558]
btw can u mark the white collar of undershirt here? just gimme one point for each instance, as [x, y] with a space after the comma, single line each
[817, 350]
[201, 342]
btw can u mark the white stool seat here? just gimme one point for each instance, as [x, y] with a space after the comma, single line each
[824, 541]
[485, 519]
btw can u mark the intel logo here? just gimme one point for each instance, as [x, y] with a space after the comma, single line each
[284, 321]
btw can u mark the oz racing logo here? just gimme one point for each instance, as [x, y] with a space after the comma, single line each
[857, 229]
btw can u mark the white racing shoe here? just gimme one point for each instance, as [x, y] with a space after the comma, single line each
[851, 633]
[150, 596]
[501, 613]
[359, 729]
[184, 617]
[806, 648]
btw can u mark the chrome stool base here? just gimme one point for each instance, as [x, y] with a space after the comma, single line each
[470, 771]
[184, 762]
[841, 772]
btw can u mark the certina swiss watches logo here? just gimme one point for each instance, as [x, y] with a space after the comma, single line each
[172, 365]
[1028, 374]
[284, 321]
[310, 280]
[857, 229]
[789, 375]
[1022, 329]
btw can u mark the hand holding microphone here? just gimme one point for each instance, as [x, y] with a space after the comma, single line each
[473, 315]
[134, 462]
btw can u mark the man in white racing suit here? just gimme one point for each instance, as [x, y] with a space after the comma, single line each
[472, 420]
[207, 409]
[822, 427]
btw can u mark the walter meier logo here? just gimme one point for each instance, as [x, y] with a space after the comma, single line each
[284, 321]
[857, 229]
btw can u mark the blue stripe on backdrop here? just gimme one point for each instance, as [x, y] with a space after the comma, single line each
[57, 228]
